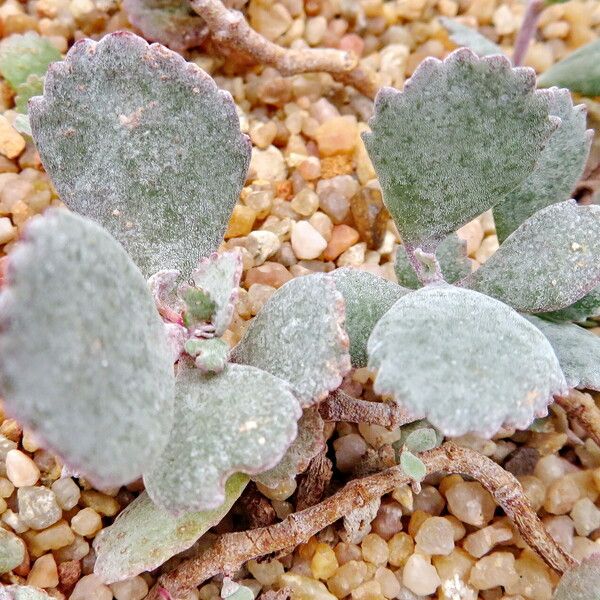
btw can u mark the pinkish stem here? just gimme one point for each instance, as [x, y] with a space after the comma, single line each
[527, 31]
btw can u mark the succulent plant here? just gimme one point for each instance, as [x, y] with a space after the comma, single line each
[128, 300]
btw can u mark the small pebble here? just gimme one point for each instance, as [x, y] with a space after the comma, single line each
[44, 573]
[38, 508]
[90, 587]
[67, 493]
[86, 522]
[12, 551]
[420, 576]
[471, 503]
[20, 469]
[307, 242]
[435, 536]
[134, 588]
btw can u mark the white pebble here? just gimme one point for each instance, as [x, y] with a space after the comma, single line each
[307, 242]
[20, 469]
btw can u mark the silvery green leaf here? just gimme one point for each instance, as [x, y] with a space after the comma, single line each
[299, 336]
[586, 308]
[22, 125]
[449, 354]
[219, 276]
[421, 439]
[240, 420]
[549, 262]
[308, 443]
[170, 22]
[577, 349]
[367, 298]
[412, 465]
[33, 86]
[580, 71]
[25, 54]
[451, 255]
[83, 349]
[558, 169]
[144, 143]
[23, 592]
[470, 38]
[144, 536]
[461, 135]
[581, 582]
[210, 354]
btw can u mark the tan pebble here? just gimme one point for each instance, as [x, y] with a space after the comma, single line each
[448, 8]
[342, 238]
[558, 29]
[104, 504]
[305, 588]
[354, 256]
[324, 562]
[306, 202]
[86, 522]
[20, 469]
[134, 588]
[347, 578]
[375, 549]
[310, 168]
[69, 572]
[488, 246]
[435, 536]
[471, 503]
[241, 221]
[337, 136]
[270, 273]
[271, 20]
[561, 496]
[91, 588]
[480, 542]
[457, 563]
[472, 233]
[307, 242]
[420, 576]
[504, 20]
[539, 57]
[268, 164]
[55, 537]
[44, 573]
[496, 569]
[12, 142]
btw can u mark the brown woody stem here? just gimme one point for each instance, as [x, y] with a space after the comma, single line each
[339, 406]
[229, 28]
[232, 550]
[582, 408]
[527, 31]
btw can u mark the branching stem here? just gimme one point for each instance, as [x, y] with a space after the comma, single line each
[231, 29]
[582, 408]
[232, 550]
[527, 31]
[340, 406]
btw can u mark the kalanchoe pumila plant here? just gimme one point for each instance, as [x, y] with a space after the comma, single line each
[149, 153]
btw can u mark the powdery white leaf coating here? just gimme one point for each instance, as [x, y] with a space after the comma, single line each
[22, 592]
[240, 420]
[455, 141]
[580, 71]
[557, 171]
[308, 443]
[211, 354]
[586, 308]
[549, 262]
[144, 536]
[22, 55]
[367, 298]
[219, 276]
[464, 361]
[581, 582]
[470, 38]
[299, 336]
[83, 349]
[451, 255]
[577, 349]
[170, 22]
[144, 143]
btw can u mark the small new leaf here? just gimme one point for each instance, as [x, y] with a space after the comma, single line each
[144, 143]
[551, 261]
[580, 71]
[412, 465]
[22, 55]
[464, 36]
[34, 86]
[421, 439]
[461, 135]
[581, 582]
[219, 276]
[210, 354]
[367, 298]
[144, 536]
[308, 443]
[558, 169]
[451, 255]
[299, 337]
[448, 354]
[84, 349]
[578, 352]
[169, 22]
[240, 420]
[199, 306]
